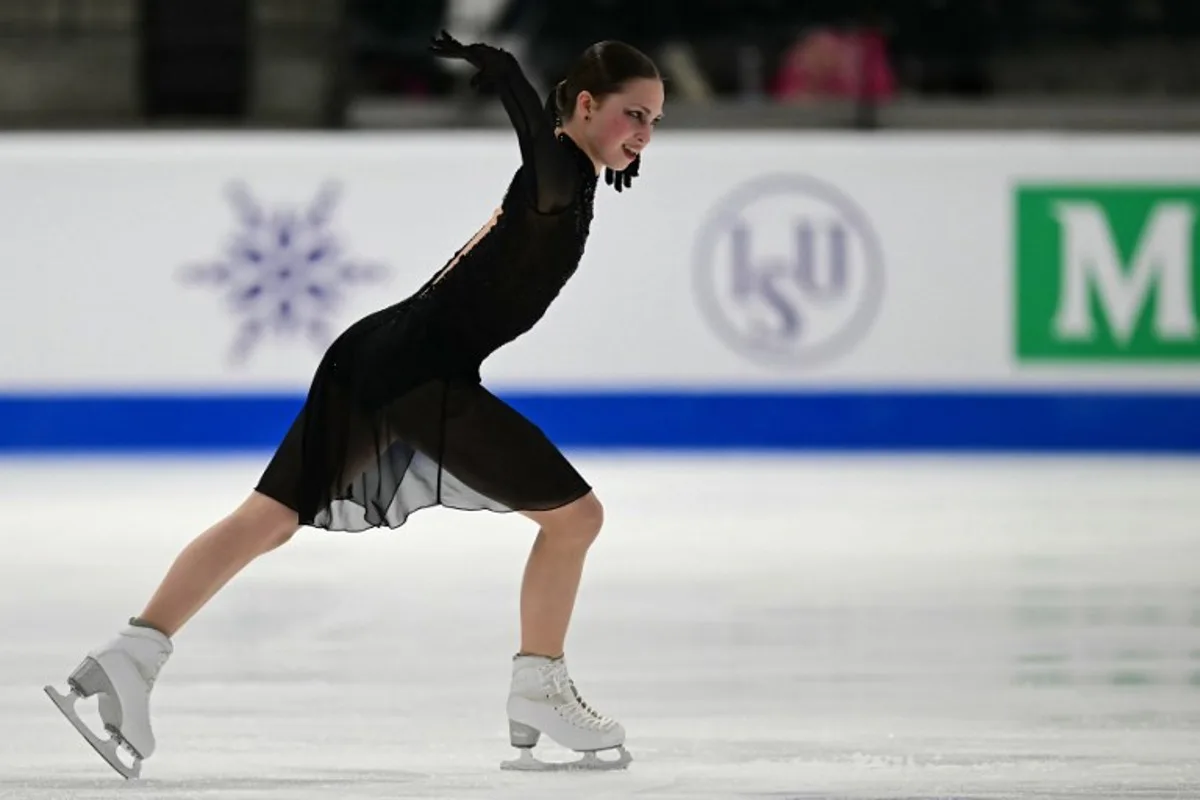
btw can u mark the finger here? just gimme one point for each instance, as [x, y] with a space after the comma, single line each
[445, 43]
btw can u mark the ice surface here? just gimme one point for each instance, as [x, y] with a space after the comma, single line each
[764, 627]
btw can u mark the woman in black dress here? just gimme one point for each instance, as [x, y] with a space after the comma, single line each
[396, 418]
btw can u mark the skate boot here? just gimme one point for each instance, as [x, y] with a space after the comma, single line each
[122, 673]
[543, 699]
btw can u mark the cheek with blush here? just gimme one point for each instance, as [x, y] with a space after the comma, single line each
[612, 134]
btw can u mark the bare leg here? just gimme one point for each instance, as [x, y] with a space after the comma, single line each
[258, 526]
[542, 698]
[553, 572]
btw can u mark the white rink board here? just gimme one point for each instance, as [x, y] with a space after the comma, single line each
[98, 229]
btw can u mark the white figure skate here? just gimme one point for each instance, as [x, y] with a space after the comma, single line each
[543, 699]
[122, 673]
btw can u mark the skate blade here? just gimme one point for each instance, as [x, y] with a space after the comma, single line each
[107, 748]
[589, 762]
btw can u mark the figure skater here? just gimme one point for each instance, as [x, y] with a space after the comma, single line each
[396, 418]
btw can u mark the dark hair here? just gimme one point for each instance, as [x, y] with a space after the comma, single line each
[603, 69]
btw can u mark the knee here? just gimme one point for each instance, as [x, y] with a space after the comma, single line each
[580, 522]
[277, 536]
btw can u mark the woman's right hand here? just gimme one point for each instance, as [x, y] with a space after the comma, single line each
[483, 57]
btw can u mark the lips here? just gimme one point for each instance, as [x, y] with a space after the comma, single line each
[629, 153]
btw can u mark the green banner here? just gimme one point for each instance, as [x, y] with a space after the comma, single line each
[1107, 273]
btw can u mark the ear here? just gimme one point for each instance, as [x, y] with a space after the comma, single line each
[586, 104]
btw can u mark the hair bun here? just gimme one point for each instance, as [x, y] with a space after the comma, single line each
[560, 96]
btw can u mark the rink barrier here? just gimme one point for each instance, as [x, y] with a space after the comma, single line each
[804, 291]
[942, 421]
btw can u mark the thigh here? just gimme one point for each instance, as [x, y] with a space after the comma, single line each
[280, 480]
[488, 446]
[329, 442]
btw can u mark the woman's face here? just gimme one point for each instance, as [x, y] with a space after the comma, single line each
[619, 126]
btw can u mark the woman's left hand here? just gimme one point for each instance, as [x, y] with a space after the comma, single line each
[623, 179]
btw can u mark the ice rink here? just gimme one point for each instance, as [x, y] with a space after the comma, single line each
[764, 627]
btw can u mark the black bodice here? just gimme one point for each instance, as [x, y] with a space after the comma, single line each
[500, 283]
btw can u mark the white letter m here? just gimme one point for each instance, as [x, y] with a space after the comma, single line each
[1162, 255]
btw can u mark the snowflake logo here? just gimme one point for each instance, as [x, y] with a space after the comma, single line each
[284, 271]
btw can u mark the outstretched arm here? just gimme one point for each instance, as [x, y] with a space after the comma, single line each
[552, 177]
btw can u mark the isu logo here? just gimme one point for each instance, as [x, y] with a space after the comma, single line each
[788, 270]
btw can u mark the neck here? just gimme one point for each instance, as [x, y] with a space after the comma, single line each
[574, 130]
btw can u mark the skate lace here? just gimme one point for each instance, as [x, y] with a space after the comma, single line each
[159, 663]
[575, 710]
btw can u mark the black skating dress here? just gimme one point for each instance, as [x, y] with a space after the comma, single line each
[396, 418]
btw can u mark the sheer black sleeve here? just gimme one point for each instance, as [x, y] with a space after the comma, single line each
[550, 176]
